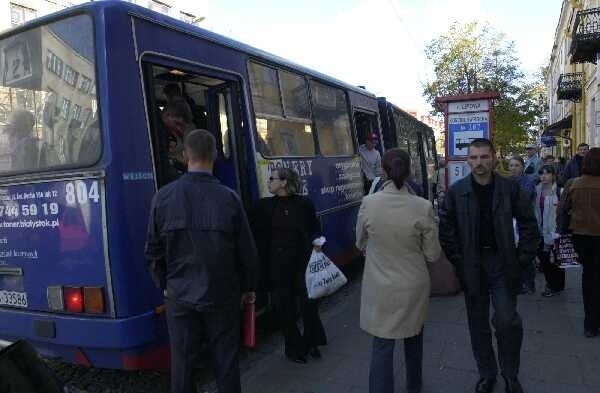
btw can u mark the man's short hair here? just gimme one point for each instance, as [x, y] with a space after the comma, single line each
[200, 145]
[482, 142]
[582, 145]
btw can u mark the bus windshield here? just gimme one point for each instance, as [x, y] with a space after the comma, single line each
[48, 101]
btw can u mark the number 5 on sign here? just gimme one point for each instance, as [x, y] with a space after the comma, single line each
[78, 192]
[457, 170]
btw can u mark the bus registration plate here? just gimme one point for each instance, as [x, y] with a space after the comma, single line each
[14, 299]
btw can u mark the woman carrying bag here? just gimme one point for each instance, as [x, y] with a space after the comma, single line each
[285, 227]
[399, 234]
[579, 214]
[546, 204]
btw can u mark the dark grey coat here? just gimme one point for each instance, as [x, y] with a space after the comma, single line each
[199, 244]
[459, 230]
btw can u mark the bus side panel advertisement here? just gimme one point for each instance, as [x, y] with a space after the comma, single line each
[51, 234]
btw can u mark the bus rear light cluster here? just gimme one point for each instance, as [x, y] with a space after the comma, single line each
[88, 300]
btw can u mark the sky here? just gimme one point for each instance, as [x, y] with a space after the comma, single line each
[378, 43]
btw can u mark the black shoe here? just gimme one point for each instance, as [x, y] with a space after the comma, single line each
[297, 359]
[513, 385]
[485, 385]
[590, 333]
[315, 353]
[548, 293]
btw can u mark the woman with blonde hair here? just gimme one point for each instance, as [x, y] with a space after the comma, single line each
[398, 233]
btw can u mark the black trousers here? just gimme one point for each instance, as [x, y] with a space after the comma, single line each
[188, 330]
[588, 249]
[290, 292]
[555, 276]
[506, 321]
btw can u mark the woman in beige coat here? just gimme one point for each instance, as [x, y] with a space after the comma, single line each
[398, 232]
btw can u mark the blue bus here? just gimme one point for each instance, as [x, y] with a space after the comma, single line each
[91, 116]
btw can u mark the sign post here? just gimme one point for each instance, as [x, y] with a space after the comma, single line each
[467, 117]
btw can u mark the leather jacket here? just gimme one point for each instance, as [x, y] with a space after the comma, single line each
[579, 208]
[459, 230]
[199, 245]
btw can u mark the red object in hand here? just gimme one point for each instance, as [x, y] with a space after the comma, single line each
[249, 327]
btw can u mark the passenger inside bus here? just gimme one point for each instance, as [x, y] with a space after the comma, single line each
[184, 102]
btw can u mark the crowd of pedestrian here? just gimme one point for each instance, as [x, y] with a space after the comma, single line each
[210, 259]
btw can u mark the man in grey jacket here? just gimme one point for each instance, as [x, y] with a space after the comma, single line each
[476, 233]
[200, 249]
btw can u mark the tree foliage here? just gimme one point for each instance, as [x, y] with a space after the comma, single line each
[474, 57]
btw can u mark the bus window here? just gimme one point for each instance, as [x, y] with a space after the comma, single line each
[401, 132]
[330, 111]
[48, 102]
[284, 127]
[225, 124]
[179, 102]
[265, 90]
[295, 97]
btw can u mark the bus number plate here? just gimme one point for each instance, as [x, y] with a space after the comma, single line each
[14, 299]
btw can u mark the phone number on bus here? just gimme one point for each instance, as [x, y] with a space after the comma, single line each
[74, 193]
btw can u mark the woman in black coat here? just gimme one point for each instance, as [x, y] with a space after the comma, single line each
[285, 227]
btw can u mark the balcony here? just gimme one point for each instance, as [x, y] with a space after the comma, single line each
[586, 36]
[569, 86]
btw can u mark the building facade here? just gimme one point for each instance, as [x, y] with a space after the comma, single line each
[572, 83]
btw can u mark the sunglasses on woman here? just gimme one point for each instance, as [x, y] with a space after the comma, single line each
[271, 178]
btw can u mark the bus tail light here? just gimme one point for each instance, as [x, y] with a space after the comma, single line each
[73, 299]
[93, 300]
[88, 300]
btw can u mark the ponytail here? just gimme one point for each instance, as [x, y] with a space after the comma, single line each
[396, 164]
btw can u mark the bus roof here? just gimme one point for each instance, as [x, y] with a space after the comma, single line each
[97, 6]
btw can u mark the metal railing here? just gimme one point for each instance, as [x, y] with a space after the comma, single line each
[570, 86]
[586, 36]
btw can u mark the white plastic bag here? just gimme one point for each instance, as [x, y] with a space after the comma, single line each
[322, 276]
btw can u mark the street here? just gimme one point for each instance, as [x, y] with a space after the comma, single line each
[556, 357]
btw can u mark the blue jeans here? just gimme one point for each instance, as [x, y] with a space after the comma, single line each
[381, 373]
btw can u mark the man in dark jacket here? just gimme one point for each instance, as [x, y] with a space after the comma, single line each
[200, 249]
[476, 233]
[573, 167]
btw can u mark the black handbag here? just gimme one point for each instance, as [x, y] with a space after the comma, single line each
[22, 371]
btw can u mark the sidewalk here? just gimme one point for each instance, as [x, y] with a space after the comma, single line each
[556, 358]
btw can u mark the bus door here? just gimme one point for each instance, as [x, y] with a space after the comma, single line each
[365, 123]
[181, 98]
